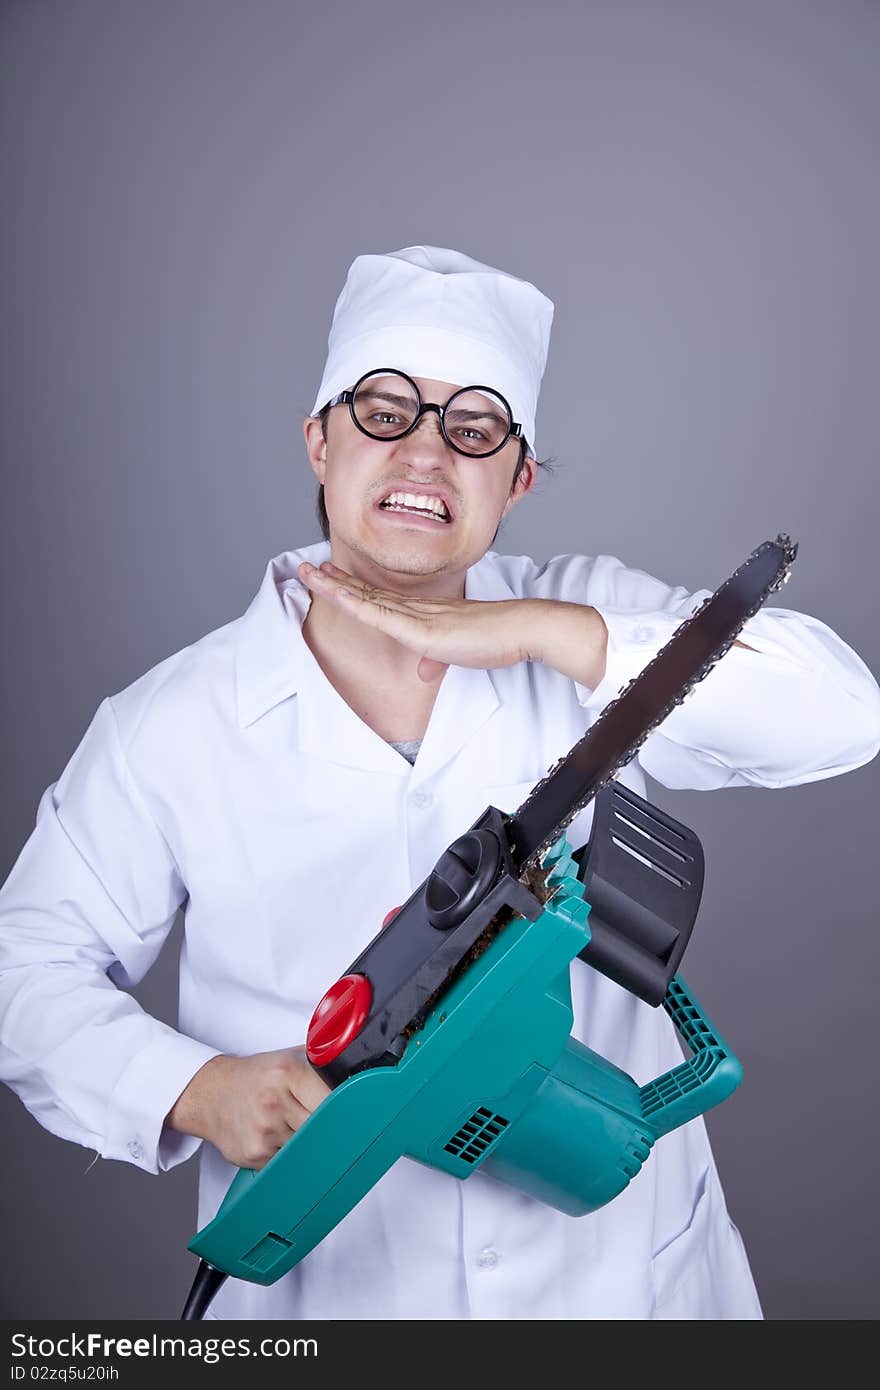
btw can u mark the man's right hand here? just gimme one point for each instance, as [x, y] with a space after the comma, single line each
[248, 1107]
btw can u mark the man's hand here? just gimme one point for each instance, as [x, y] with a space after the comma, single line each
[570, 637]
[248, 1107]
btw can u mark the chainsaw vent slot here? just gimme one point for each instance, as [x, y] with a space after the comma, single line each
[648, 863]
[476, 1135]
[664, 843]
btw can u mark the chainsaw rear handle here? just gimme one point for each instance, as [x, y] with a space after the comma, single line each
[709, 1076]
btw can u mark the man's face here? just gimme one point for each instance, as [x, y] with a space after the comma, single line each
[359, 474]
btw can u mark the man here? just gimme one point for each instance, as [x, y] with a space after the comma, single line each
[295, 774]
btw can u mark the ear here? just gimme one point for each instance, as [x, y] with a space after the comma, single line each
[316, 446]
[524, 483]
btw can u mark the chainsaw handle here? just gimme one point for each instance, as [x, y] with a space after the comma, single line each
[704, 1080]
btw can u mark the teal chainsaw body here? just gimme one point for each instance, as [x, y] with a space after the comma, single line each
[493, 1080]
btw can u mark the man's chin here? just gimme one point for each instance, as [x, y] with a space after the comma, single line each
[405, 556]
[403, 560]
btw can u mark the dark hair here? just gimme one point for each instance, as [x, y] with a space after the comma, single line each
[321, 508]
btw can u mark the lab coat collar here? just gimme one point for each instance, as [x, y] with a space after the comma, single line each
[269, 643]
[273, 662]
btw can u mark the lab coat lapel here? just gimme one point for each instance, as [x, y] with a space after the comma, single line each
[329, 728]
[465, 700]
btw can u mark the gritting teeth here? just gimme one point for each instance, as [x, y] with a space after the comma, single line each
[417, 502]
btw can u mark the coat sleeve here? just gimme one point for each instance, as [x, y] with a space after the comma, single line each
[85, 910]
[798, 707]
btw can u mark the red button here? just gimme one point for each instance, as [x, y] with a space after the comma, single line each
[338, 1019]
[388, 915]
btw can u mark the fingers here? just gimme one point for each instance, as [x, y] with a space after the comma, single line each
[278, 1093]
[307, 1085]
[280, 1117]
[372, 592]
[302, 1093]
[344, 588]
[391, 614]
[332, 582]
[293, 1114]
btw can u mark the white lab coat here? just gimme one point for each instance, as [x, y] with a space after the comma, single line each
[234, 781]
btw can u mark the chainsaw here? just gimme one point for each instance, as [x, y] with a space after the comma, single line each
[449, 1039]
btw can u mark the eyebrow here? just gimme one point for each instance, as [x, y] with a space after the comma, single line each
[387, 396]
[478, 415]
[459, 414]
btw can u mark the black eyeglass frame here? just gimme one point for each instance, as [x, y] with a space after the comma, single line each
[347, 398]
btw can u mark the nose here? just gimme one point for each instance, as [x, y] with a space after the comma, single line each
[425, 443]
[427, 408]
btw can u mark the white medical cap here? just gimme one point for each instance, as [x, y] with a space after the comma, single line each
[437, 313]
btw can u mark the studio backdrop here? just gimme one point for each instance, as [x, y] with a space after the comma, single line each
[695, 187]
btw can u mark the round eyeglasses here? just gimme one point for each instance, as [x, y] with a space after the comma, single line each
[386, 404]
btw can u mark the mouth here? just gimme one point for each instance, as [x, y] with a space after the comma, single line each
[430, 507]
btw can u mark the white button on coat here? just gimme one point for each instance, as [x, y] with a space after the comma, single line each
[234, 782]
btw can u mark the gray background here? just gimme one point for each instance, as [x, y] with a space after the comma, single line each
[695, 186]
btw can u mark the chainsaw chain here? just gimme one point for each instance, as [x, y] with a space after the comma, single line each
[790, 551]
